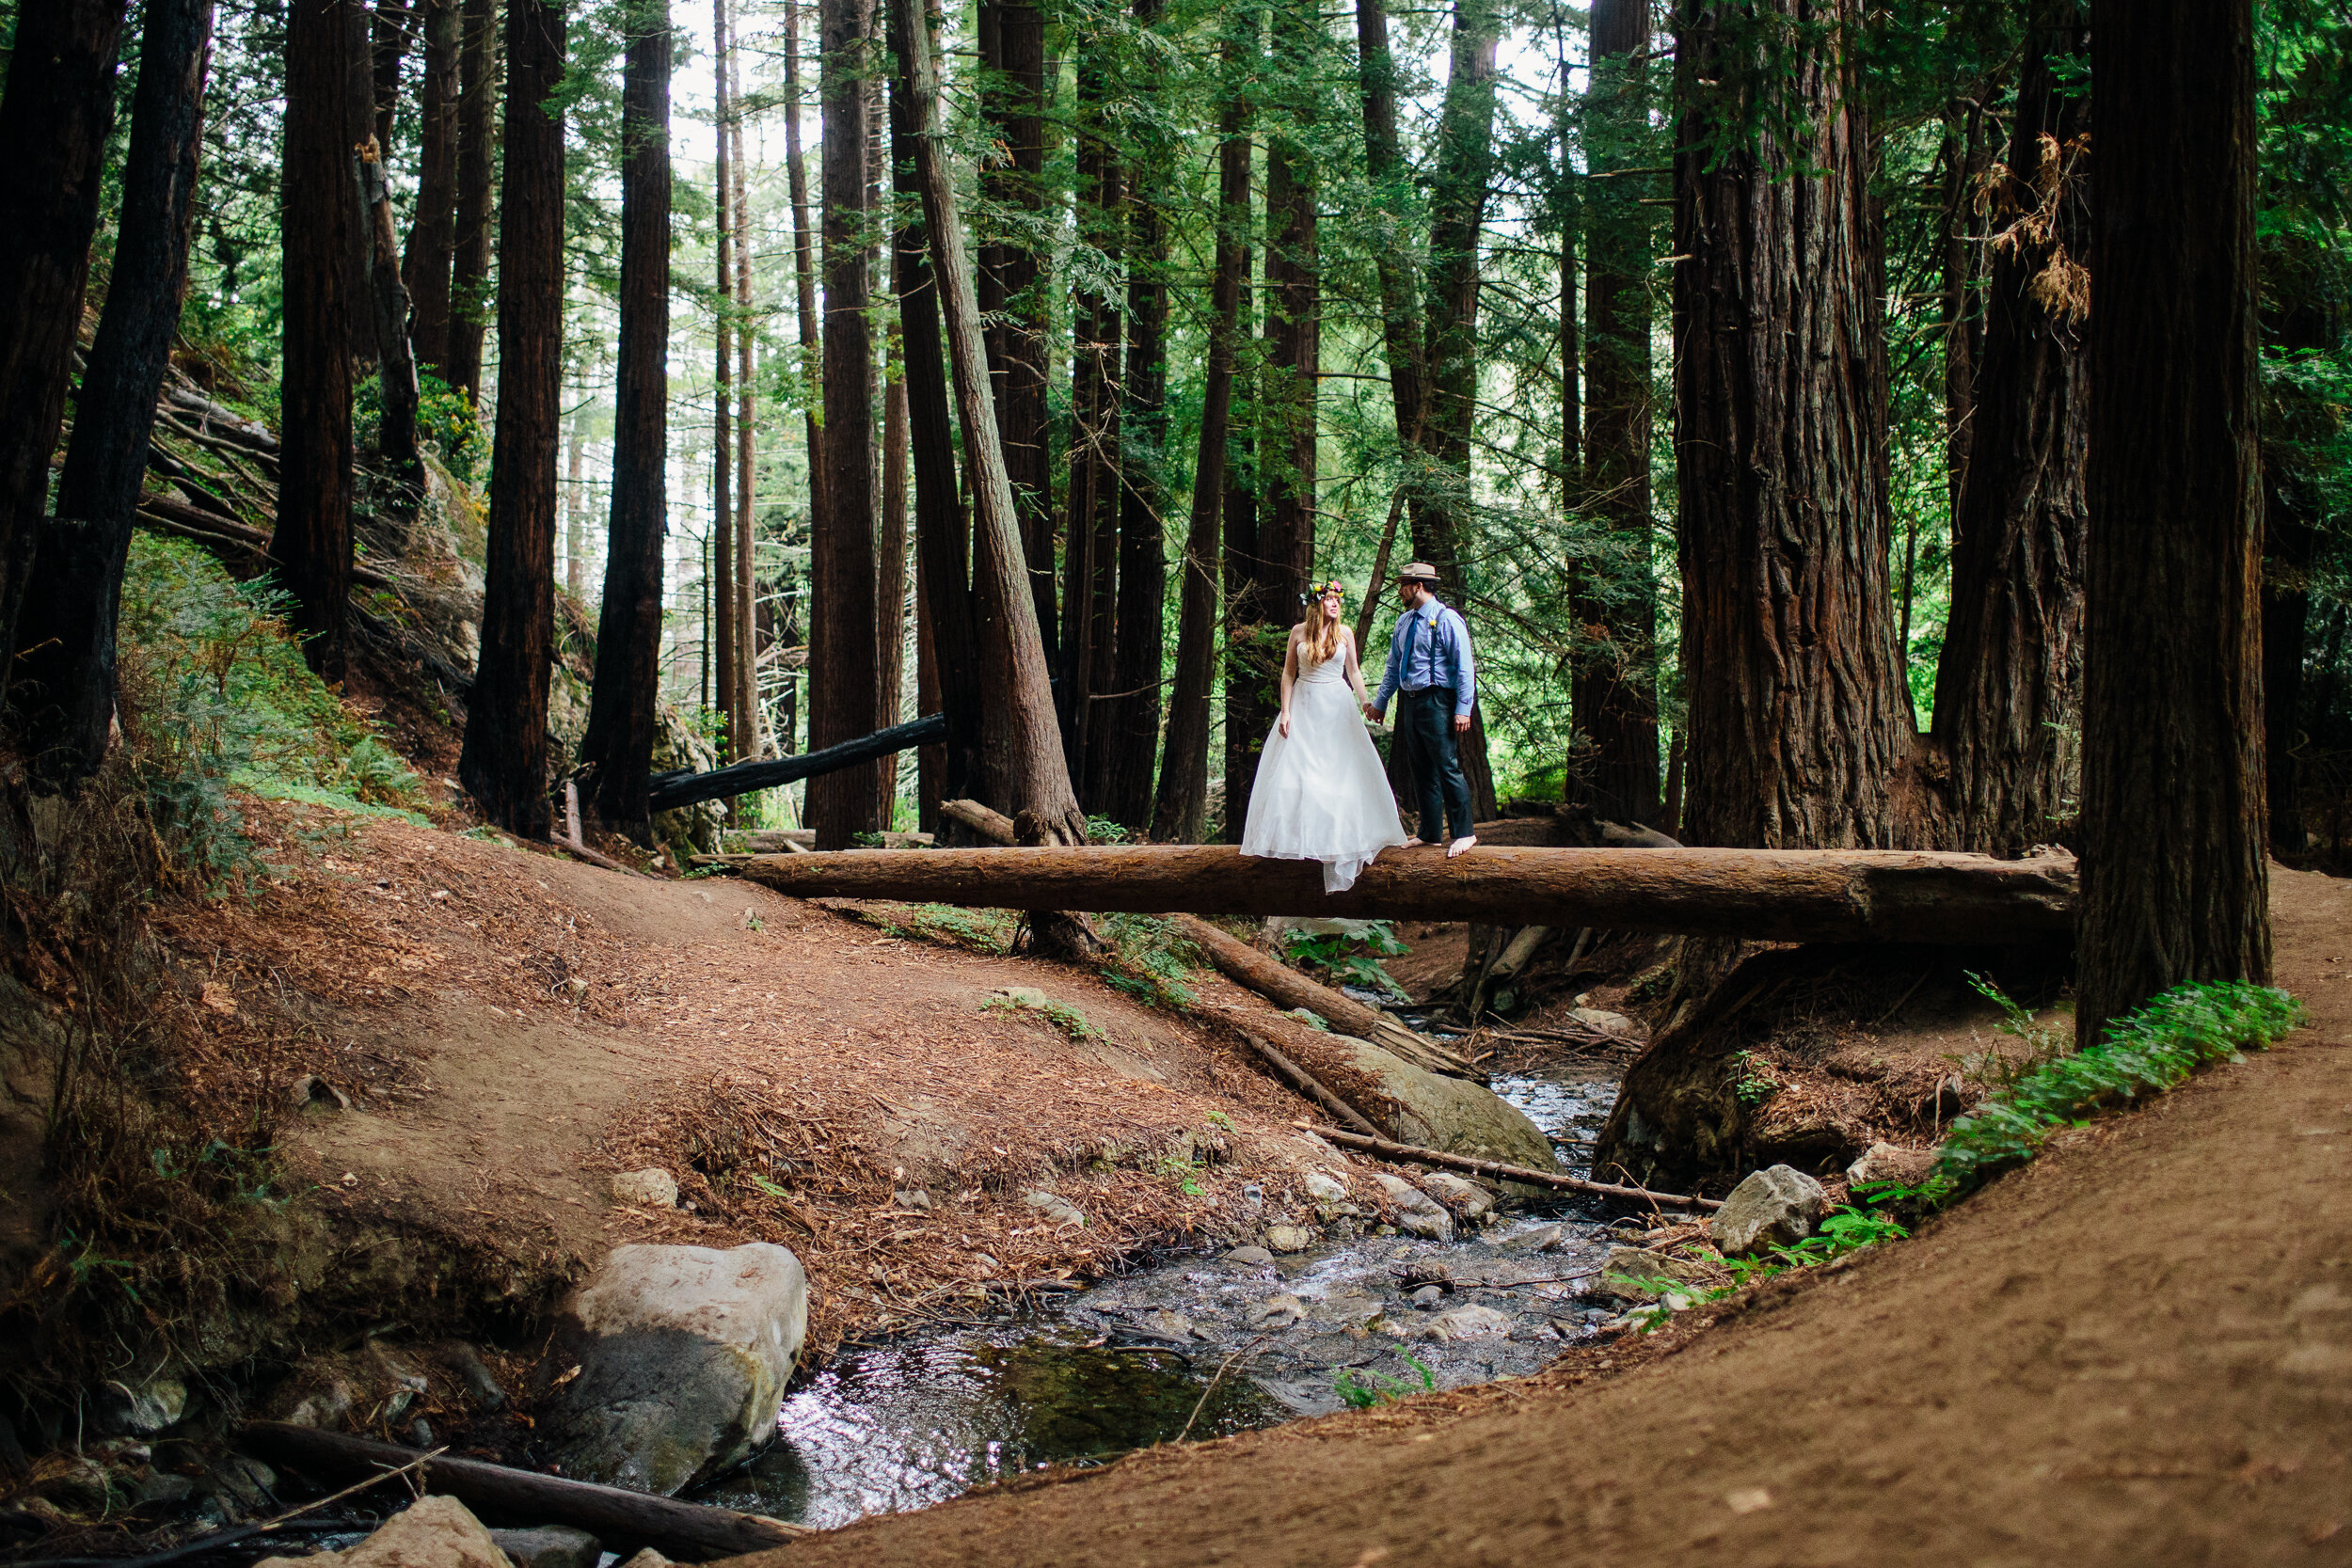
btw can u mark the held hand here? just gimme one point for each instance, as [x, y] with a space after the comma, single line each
[1371, 713]
[1461, 723]
[1285, 726]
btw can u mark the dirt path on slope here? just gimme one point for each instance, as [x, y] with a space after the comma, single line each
[2136, 1351]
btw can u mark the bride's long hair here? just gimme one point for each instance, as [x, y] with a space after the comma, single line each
[1323, 629]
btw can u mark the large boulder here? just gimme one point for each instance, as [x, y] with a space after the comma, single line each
[1778, 1206]
[1450, 1114]
[667, 1365]
[431, 1532]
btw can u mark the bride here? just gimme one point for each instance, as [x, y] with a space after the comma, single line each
[1321, 792]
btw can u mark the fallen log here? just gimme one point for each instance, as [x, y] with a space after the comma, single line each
[1501, 1172]
[1307, 1083]
[622, 1520]
[1769, 895]
[672, 790]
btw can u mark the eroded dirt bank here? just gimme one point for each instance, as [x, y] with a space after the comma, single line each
[2137, 1350]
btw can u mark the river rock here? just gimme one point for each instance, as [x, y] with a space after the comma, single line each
[431, 1532]
[1278, 1310]
[1249, 1256]
[1324, 1188]
[1636, 1275]
[1417, 1212]
[1055, 1207]
[1450, 1114]
[1467, 1323]
[1617, 1024]
[549, 1546]
[140, 1407]
[650, 1188]
[1889, 1163]
[1465, 1199]
[1288, 1237]
[1542, 1238]
[667, 1365]
[1777, 1206]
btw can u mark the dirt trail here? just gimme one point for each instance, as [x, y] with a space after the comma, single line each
[2136, 1351]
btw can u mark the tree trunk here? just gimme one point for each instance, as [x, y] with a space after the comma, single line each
[477, 196]
[505, 764]
[1615, 696]
[2008, 685]
[2174, 883]
[1963, 324]
[387, 48]
[890, 593]
[1090, 565]
[1013, 659]
[725, 667]
[433, 232]
[576, 503]
[1458, 200]
[396, 367]
[804, 262]
[842, 604]
[617, 749]
[1800, 720]
[943, 545]
[1252, 656]
[64, 685]
[1392, 193]
[1288, 418]
[312, 542]
[1765, 894]
[1180, 809]
[744, 721]
[1013, 283]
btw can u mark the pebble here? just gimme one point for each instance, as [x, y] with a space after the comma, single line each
[1055, 1207]
[1278, 1310]
[650, 1188]
[1324, 1188]
[1427, 1298]
[1543, 1238]
[1288, 1237]
[1248, 1256]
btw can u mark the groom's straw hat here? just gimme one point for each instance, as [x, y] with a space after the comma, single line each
[1417, 571]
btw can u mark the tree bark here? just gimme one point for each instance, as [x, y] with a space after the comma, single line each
[1457, 198]
[313, 542]
[842, 608]
[432, 232]
[477, 196]
[396, 367]
[2008, 683]
[1614, 693]
[1963, 326]
[504, 764]
[1288, 419]
[387, 48]
[745, 720]
[1391, 180]
[617, 749]
[1800, 720]
[726, 668]
[2175, 886]
[804, 263]
[64, 684]
[890, 593]
[1180, 809]
[1015, 661]
[1763, 895]
[1091, 530]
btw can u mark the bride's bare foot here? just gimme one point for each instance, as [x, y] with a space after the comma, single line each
[1410, 844]
[1459, 845]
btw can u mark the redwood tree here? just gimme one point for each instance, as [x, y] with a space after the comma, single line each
[1091, 525]
[842, 610]
[321, 224]
[617, 749]
[504, 764]
[2175, 886]
[64, 690]
[477, 194]
[2007, 686]
[432, 232]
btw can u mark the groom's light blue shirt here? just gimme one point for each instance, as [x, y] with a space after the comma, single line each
[1441, 657]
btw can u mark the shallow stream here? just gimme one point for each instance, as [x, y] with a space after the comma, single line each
[1192, 1346]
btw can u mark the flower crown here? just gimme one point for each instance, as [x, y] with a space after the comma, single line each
[1318, 591]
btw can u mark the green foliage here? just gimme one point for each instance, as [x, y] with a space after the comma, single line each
[2187, 1027]
[1755, 1084]
[217, 700]
[446, 422]
[1351, 957]
[1365, 1390]
[1061, 1015]
[1150, 960]
[2042, 1043]
[1843, 1230]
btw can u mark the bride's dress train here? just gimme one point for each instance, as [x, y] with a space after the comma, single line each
[1321, 793]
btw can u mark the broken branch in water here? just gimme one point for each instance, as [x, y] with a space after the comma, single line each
[1496, 1168]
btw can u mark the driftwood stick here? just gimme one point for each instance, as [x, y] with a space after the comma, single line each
[619, 1518]
[1307, 1083]
[1388, 1150]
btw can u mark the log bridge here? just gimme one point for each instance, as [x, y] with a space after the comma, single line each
[1878, 896]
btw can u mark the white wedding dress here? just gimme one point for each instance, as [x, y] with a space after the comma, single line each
[1321, 793]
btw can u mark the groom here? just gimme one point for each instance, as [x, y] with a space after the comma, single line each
[1430, 664]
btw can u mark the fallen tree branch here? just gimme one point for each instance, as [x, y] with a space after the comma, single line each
[618, 1517]
[1496, 1168]
[672, 790]
[1308, 1085]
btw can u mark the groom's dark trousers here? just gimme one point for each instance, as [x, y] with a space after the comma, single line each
[1436, 762]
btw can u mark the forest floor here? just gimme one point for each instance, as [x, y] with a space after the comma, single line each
[2135, 1349]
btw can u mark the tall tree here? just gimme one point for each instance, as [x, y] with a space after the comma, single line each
[842, 608]
[504, 763]
[1799, 717]
[1391, 180]
[477, 195]
[726, 668]
[2175, 886]
[64, 687]
[2008, 683]
[390, 22]
[743, 719]
[433, 232]
[1013, 279]
[1013, 657]
[312, 542]
[55, 119]
[1614, 698]
[1180, 806]
[804, 261]
[1090, 528]
[1458, 190]
[617, 749]
[890, 590]
[387, 305]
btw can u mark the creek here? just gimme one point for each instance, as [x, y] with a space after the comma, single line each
[1189, 1346]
